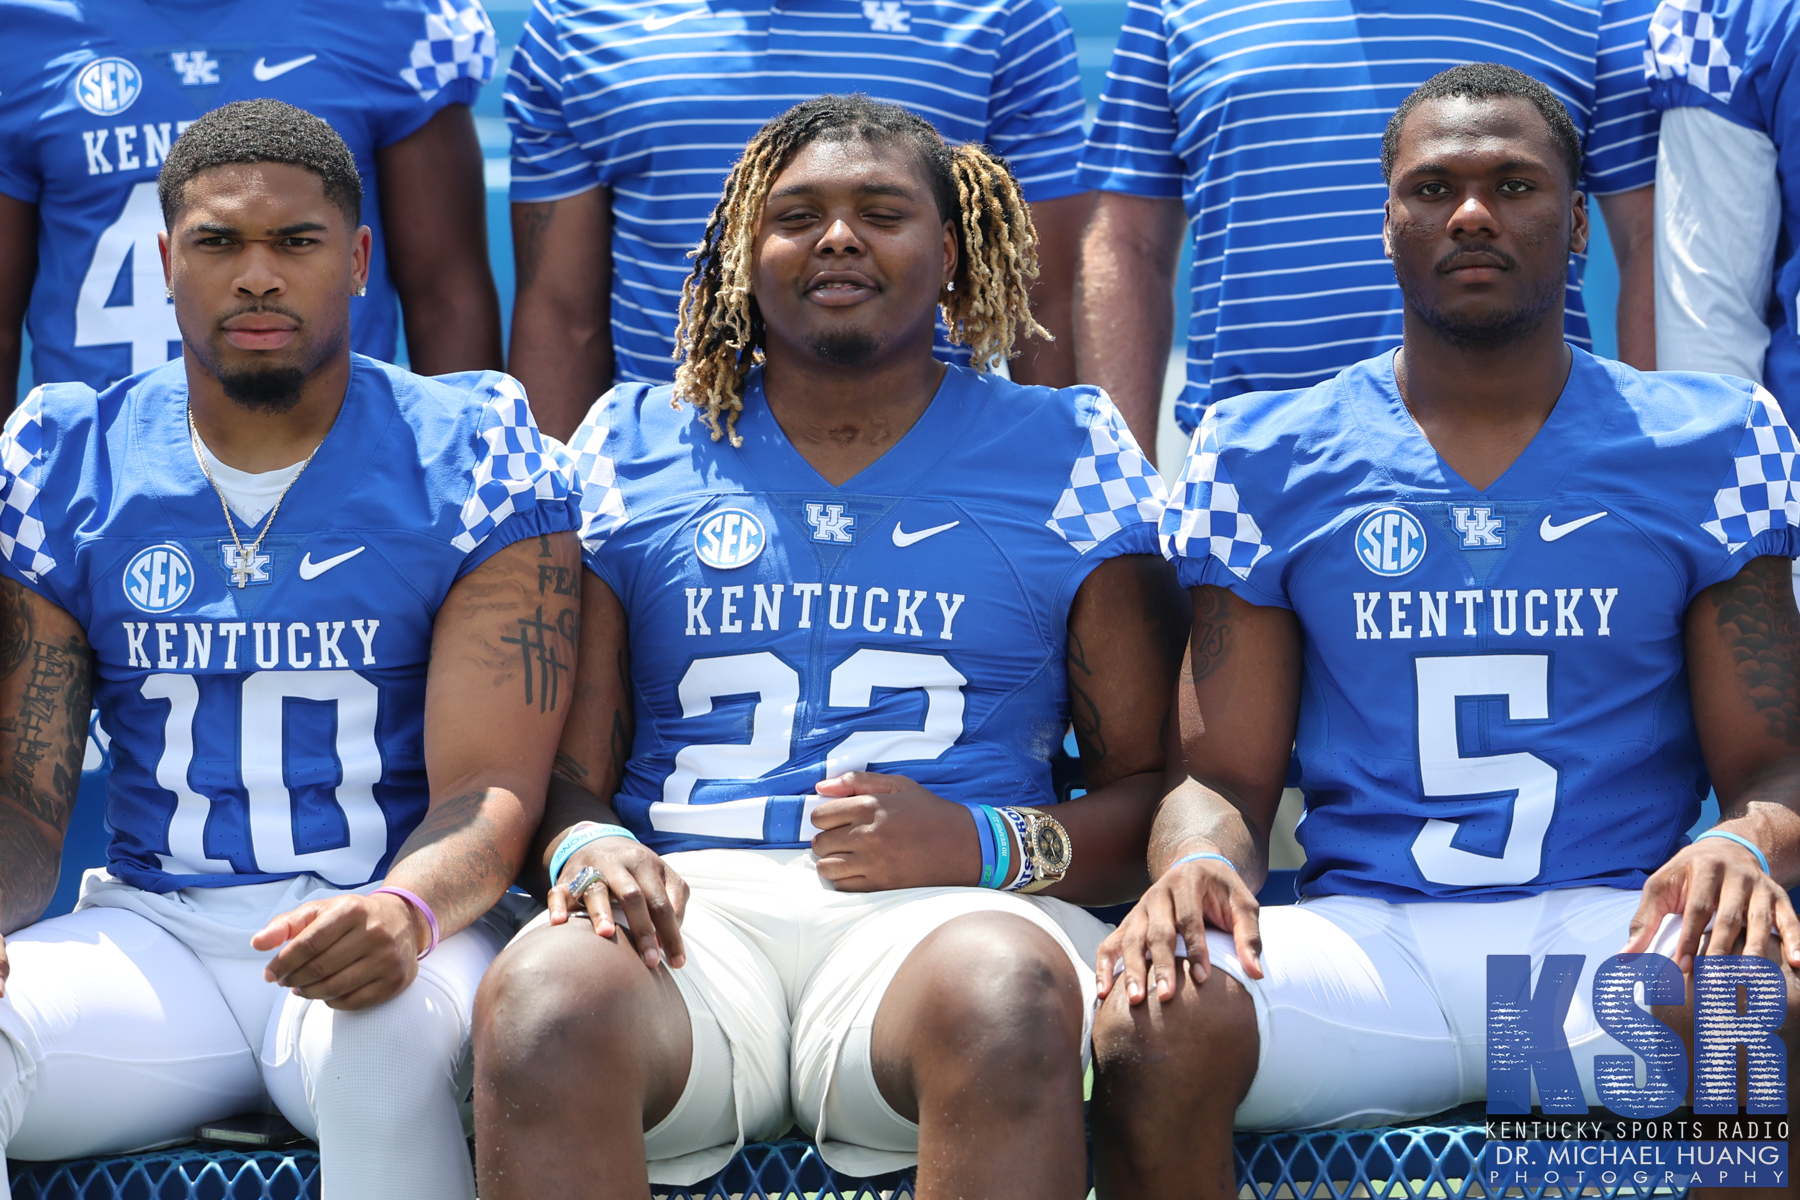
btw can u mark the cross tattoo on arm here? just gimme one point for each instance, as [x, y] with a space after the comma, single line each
[544, 666]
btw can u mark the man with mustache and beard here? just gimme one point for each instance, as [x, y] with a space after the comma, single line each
[326, 609]
[837, 620]
[1515, 607]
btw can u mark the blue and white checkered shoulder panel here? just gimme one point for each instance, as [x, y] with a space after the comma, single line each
[1207, 517]
[1684, 44]
[21, 473]
[459, 40]
[1111, 484]
[515, 466]
[1759, 492]
[602, 502]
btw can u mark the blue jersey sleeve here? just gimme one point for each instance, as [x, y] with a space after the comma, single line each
[595, 448]
[1034, 114]
[1621, 137]
[419, 57]
[548, 161]
[1114, 499]
[1734, 60]
[30, 551]
[1756, 509]
[1132, 146]
[1211, 530]
[522, 483]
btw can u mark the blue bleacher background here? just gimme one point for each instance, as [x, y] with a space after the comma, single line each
[1096, 24]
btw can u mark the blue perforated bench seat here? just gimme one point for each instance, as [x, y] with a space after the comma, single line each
[1429, 1161]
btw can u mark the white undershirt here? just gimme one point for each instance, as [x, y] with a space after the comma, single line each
[250, 494]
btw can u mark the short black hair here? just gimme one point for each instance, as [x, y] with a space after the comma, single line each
[255, 131]
[1483, 81]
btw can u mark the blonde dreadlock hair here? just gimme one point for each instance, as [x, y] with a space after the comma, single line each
[986, 307]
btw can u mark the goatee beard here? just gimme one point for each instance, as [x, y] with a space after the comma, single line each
[271, 390]
[845, 347]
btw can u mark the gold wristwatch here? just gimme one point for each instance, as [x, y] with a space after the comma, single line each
[1048, 847]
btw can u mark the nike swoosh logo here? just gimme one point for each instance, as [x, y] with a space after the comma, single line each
[903, 538]
[312, 570]
[264, 72]
[652, 24]
[1550, 532]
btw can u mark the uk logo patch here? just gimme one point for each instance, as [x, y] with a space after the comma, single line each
[1480, 528]
[159, 578]
[196, 68]
[830, 523]
[246, 568]
[887, 16]
[1390, 541]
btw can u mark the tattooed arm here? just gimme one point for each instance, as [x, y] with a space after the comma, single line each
[502, 659]
[1236, 708]
[1743, 661]
[46, 687]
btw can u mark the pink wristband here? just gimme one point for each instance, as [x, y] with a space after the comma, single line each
[416, 902]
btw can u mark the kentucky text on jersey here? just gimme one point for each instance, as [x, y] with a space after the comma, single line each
[1494, 699]
[92, 95]
[913, 620]
[1267, 118]
[656, 101]
[267, 719]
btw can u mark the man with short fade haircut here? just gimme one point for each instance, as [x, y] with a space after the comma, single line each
[1258, 128]
[326, 609]
[843, 600]
[94, 92]
[1516, 608]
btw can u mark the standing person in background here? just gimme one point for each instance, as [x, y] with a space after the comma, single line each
[1729, 168]
[92, 95]
[627, 117]
[1261, 126]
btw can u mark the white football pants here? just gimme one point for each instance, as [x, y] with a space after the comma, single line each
[123, 1028]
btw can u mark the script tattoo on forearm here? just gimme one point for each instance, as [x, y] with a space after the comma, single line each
[1084, 711]
[1762, 632]
[1212, 634]
[533, 224]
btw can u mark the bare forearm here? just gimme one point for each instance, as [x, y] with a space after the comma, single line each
[1631, 226]
[1194, 818]
[1107, 829]
[564, 358]
[30, 861]
[565, 806]
[1124, 321]
[464, 854]
[18, 269]
[11, 350]
[1059, 225]
[453, 323]
[1764, 813]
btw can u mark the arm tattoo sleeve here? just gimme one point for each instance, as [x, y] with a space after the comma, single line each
[1759, 623]
[1211, 636]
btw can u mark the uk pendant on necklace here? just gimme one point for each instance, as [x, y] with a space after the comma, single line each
[240, 573]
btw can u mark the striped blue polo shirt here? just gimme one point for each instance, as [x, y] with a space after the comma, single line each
[655, 100]
[1266, 120]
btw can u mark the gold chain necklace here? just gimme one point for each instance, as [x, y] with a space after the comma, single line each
[245, 566]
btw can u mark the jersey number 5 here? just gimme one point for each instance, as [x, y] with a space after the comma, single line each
[1523, 682]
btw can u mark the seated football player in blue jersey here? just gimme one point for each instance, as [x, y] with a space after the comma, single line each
[311, 595]
[1518, 606]
[841, 609]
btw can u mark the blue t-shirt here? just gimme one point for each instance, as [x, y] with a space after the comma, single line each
[1738, 58]
[1266, 121]
[911, 621]
[1494, 701]
[656, 101]
[274, 729]
[93, 93]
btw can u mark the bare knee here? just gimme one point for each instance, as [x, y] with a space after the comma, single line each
[1202, 1036]
[988, 996]
[563, 1009]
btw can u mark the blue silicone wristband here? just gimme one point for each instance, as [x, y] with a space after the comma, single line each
[1002, 846]
[985, 833]
[1188, 858]
[582, 836]
[1746, 843]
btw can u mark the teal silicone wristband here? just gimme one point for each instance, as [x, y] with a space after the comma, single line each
[1188, 858]
[1746, 843]
[1002, 847]
[581, 836]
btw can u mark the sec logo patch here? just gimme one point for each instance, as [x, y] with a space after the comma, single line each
[108, 86]
[1390, 541]
[729, 539]
[158, 579]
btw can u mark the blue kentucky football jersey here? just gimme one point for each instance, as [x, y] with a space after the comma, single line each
[911, 621]
[93, 93]
[274, 728]
[1494, 701]
[1737, 58]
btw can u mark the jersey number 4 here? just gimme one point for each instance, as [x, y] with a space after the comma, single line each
[148, 322]
[1523, 682]
[263, 767]
[777, 689]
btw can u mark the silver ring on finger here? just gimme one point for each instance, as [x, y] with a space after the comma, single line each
[584, 879]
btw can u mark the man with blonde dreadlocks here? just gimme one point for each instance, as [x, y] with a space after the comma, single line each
[843, 601]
